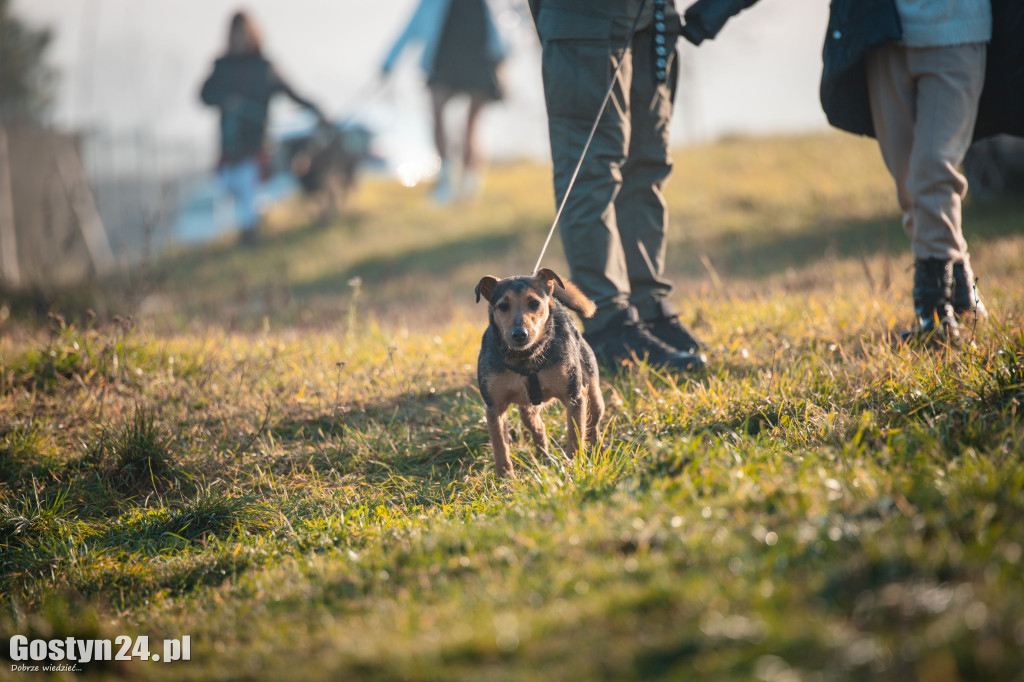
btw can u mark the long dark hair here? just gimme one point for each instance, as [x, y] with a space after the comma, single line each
[243, 36]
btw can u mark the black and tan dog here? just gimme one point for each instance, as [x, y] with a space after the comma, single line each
[531, 353]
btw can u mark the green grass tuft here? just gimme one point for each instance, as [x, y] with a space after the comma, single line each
[140, 454]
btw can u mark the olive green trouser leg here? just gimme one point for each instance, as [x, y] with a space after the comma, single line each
[613, 224]
[640, 207]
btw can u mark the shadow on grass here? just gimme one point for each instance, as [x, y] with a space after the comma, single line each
[432, 437]
[763, 254]
[232, 275]
[236, 283]
[428, 264]
[749, 254]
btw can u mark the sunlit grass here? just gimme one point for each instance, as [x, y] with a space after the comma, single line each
[290, 464]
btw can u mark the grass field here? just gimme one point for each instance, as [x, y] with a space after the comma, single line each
[278, 450]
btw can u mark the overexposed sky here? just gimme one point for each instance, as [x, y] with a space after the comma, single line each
[134, 67]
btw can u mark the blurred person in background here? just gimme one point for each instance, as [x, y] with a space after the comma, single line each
[923, 77]
[462, 55]
[241, 86]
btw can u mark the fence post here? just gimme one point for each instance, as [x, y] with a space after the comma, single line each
[76, 187]
[9, 270]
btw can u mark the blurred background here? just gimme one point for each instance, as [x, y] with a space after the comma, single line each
[123, 76]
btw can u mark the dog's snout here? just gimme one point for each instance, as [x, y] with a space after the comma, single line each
[519, 335]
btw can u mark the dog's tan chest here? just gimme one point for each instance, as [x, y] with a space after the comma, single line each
[509, 387]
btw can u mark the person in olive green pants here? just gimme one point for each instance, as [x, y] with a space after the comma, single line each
[613, 226]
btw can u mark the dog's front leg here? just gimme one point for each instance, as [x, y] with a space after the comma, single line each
[497, 427]
[576, 420]
[530, 414]
[595, 410]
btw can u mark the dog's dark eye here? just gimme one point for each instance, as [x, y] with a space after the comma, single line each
[534, 304]
[503, 306]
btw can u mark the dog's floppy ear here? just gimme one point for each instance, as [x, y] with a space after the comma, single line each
[569, 294]
[550, 277]
[485, 288]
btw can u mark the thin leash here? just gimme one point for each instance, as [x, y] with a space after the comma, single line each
[590, 138]
[364, 94]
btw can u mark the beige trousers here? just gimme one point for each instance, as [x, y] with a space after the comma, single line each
[924, 102]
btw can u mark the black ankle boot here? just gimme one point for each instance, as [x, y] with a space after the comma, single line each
[966, 300]
[933, 302]
[668, 328]
[625, 340]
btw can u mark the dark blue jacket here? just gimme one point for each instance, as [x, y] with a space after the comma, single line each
[241, 87]
[855, 27]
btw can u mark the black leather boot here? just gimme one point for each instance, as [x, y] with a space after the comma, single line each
[966, 299]
[933, 303]
[625, 340]
[668, 328]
